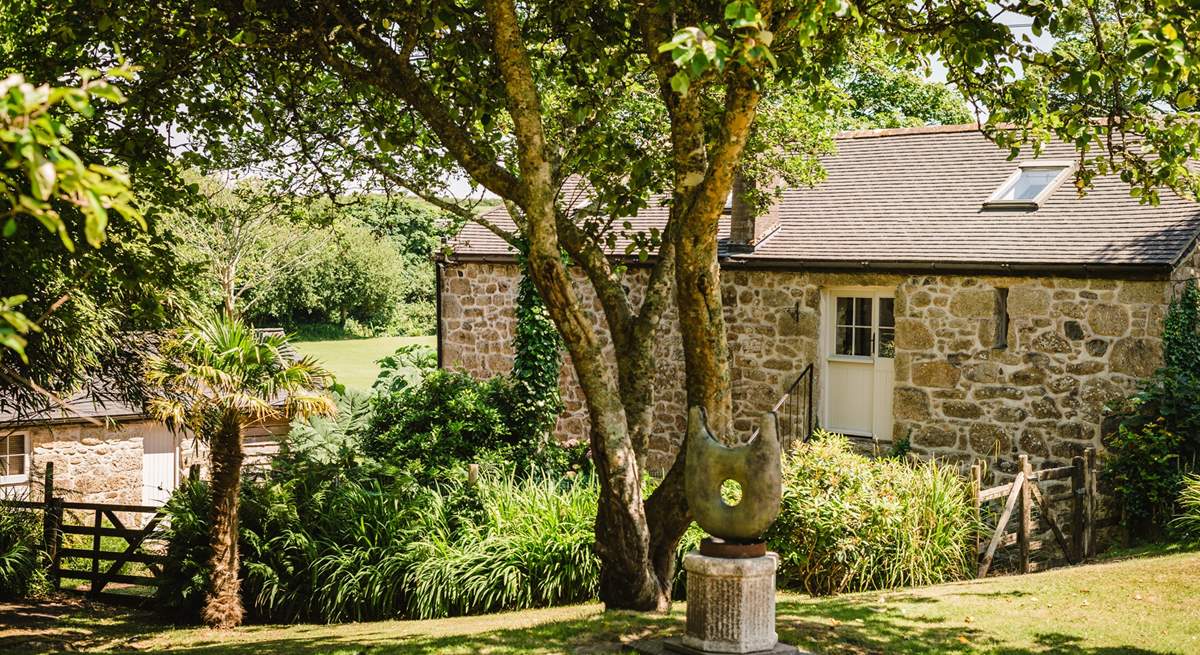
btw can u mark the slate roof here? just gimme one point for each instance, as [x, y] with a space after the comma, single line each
[914, 197]
[101, 403]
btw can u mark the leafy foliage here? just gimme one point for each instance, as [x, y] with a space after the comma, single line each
[850, 523]
[332, 439]
[446, 422]
[408, 366]
[1144, 470]
[22, 571]
[409, 552]
[42, 177]
[537, 363]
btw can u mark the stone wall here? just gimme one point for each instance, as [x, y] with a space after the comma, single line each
[773, 320]
[1073, 345]
[94, 464]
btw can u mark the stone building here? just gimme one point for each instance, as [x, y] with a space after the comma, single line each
[972, 305]
[107, 451]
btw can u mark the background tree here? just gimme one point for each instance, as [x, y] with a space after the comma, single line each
[214, 379]
[246, 234]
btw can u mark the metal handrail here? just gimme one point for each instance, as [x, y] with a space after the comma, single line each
[789, 427]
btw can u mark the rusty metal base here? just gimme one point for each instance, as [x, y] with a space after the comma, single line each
[714, 547]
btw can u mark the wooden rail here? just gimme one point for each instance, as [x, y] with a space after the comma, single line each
[1020, 497]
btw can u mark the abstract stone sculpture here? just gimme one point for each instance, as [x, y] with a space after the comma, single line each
[731, 580]
[754, 466]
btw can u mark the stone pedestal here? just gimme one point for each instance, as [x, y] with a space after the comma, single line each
[731, 604]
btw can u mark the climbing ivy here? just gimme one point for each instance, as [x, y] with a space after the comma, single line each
[1181, 330]
[537, 362]
[1159, 437]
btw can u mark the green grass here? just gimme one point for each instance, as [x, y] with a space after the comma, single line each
[353, 360]
[1144, 606]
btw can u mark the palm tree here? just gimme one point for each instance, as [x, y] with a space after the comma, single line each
[214, 378]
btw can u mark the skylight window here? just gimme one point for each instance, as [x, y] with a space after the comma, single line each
[1030, 185]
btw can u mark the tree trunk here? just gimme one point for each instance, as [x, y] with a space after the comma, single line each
[223, 605]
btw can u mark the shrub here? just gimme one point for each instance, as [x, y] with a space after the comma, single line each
[404, 368]
[1186, 523]
[434, 428]
[22, 573]
[1143, 468]
[850, 523]
[408, 552]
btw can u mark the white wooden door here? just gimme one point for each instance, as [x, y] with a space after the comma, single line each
[859, 366]
[158, 465]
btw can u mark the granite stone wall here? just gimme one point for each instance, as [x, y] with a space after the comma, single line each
[96, 464]
[1071, 346]
[965, 390]
[773, 320]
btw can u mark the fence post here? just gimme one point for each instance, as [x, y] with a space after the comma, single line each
[976, 487]
[56, 551]
[47, 502]
[1078, 490]
[96, 554]
[1023, 528]
[1089, 505]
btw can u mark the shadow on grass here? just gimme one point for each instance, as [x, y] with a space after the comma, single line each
[855, 625]
[859, 626]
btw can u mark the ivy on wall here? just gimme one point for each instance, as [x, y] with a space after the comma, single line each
[537, 362]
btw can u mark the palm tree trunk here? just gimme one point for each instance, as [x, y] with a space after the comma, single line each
[223, 606]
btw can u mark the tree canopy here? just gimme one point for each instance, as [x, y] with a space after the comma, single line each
[638, 99]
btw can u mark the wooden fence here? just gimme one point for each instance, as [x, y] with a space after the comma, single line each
[1076, 543]
[102, 567]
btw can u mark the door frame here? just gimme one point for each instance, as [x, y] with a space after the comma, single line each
[825, 340]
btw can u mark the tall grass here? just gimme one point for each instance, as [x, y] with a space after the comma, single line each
[21, 570]
[324, 547]
[531, 545]
[1186, 523]
[850, 523]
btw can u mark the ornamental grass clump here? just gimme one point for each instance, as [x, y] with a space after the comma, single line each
[1186, 524]
[22, 573]
[850, 523]
[528, 544]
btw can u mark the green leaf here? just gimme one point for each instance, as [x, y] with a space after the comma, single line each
[680, 83]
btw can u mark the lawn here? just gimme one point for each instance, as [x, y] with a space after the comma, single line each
[353, 360]
[1149, 605]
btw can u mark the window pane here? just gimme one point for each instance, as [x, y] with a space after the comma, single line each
[1030, 183]
[887, 343]
[862, 311]
[862, 341]
[4, 465]
[16, 465]
[844, 312]
[887, 316]
[843, 342]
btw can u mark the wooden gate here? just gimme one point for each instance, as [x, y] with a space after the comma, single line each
[96, 521]
[1020, 496]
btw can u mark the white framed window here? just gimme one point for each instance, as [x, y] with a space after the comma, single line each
[864, 326]
[1030, 185]
[14, 458]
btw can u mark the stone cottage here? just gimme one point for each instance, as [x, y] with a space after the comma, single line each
[107, 451]
[972, 305]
